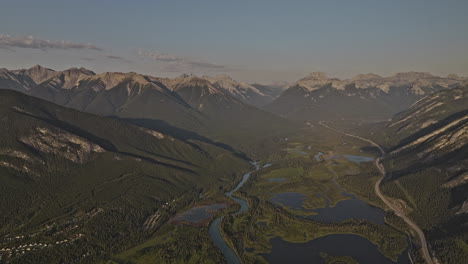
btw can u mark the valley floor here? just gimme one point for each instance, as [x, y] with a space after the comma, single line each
[312, 199]
[320, 187]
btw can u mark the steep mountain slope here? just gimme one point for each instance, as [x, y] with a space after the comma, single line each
[427, 168]
[271, 90]
[317, 97]
[240, 90]
[126, 95]
[37, 73]
[428, 111]
[71, 175]
[228, 118]
[13, 81]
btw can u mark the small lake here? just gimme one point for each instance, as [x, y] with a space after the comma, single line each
[353, 158]
[349, 209]
[276, 179]
[358, 159]
[199, 214]
[352, 208]
[359, 248]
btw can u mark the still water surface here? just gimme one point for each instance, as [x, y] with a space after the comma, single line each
[359, 248]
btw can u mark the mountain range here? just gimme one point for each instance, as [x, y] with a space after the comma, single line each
[315, 97]
[319, 97]
[217, 108]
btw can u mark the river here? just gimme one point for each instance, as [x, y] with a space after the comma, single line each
[215, 227]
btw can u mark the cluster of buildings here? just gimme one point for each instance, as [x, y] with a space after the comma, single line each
[8, 252]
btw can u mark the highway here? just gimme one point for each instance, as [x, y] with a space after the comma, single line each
[381, 168]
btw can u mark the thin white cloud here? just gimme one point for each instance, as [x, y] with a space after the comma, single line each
[118, 58]
[158, 56]
[31, 42]
[174, 63]
[192, 66]
[205, 65]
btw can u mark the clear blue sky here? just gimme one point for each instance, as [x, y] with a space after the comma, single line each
[251, 40]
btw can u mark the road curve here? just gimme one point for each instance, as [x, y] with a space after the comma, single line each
[381, 168]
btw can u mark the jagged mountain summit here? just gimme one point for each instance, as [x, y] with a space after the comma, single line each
[319, 97]
[317, 80]
[241, 90]
[415, 82]
[38, 73]
[273, 90]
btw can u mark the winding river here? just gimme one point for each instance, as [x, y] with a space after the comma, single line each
[215, 227]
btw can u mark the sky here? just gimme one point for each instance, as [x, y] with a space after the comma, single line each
[255, 41]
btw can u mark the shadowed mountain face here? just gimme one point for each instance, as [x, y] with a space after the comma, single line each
[57, 165]
[222, 108]
[318, 97]
[245, 92]
[429, 111]
[14, 81]
[428, 165]
[213, 110]
[271, 90]
[38, 73]
[433, 131]
[117, 94]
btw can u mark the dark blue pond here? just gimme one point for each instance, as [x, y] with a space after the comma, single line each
[276, 179]
[352, 208]
[349, 209]
[359, 248]
[358, 159]
[353, 158]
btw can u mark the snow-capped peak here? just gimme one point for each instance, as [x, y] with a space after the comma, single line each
[235, 88]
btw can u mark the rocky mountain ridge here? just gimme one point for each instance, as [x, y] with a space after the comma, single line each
[366, 96]
[241, 90]
[416, 82]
